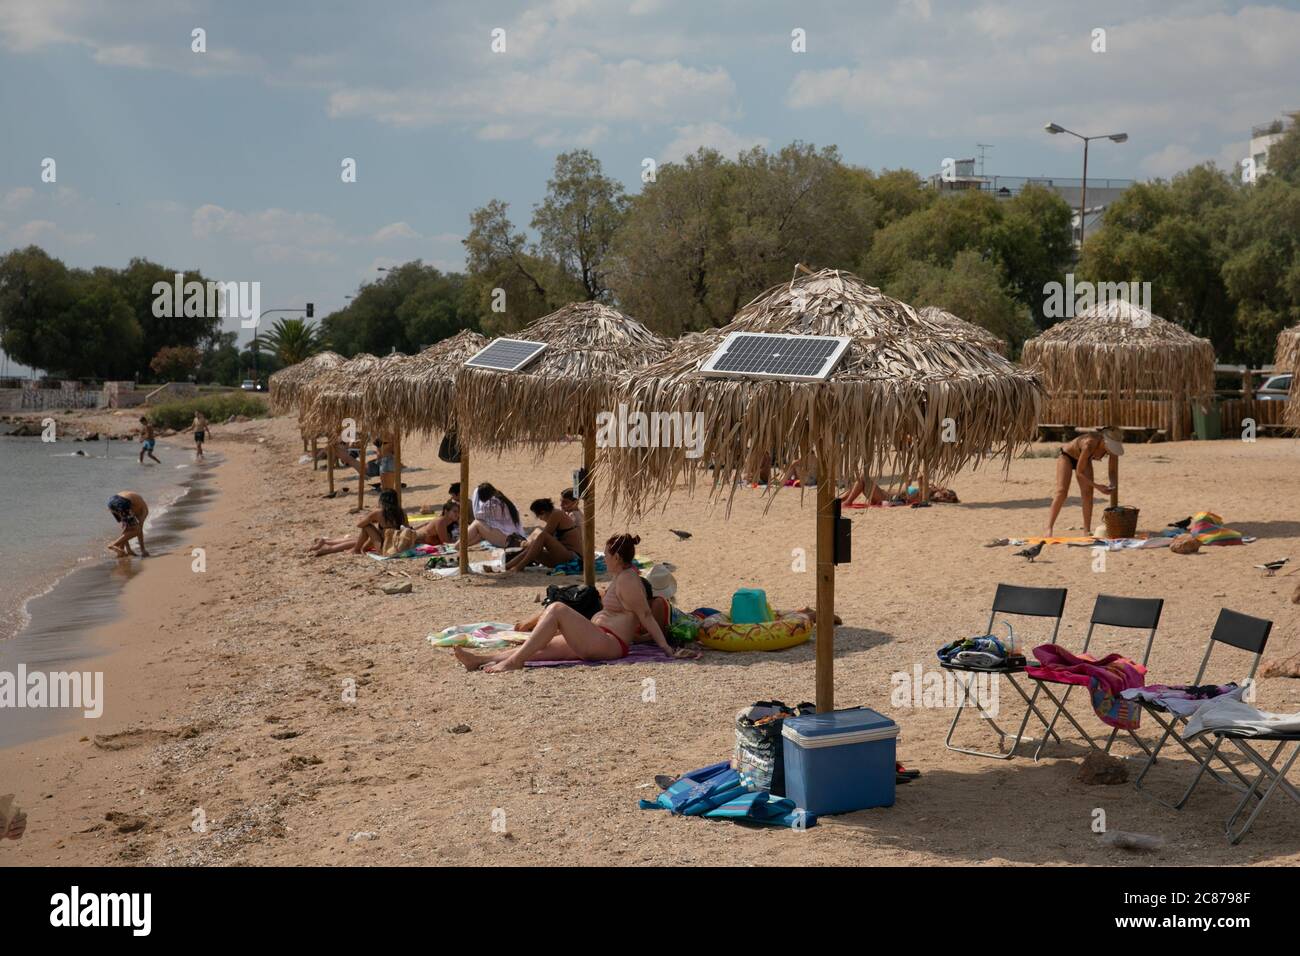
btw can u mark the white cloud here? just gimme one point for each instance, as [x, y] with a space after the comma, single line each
[393, 232]
[17, 197]
[43, 232]
[277, 254]
[576, 88]
[691, 137]
[1207, 70]
[272, 227]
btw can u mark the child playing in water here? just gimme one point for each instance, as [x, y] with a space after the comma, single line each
[130, 511]
[147, 440]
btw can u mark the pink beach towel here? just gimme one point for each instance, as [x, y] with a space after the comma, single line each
[1106, 678]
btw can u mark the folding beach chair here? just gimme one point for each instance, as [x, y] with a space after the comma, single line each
[1268, 770]
[1232, 629]
[1109, 611]
[1009, 600]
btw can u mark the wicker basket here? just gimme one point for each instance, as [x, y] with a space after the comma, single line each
[1121, 522]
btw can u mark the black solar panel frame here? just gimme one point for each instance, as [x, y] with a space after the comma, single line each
[799, 369]
[537, 347]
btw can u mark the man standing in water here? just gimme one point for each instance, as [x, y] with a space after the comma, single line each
[147, 440]
[130, 511]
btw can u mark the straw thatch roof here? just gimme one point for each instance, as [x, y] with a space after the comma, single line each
[1287, 359]
[338, 394]
[418, 393]
[965, 330]
[591, 348]
[286, 384]
[1122, 351]
[881, 411]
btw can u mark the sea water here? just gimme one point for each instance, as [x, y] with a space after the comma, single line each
[58, 582]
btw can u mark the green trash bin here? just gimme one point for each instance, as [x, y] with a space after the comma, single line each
[1206, 420]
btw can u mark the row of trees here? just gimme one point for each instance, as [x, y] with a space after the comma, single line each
[704, 236]
[100, 324]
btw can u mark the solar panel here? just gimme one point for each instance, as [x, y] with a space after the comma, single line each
[803, 358]
[506, 355]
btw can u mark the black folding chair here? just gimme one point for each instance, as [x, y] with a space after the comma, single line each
[1232, 629]
[1109, 611]
[1268, 770]
[1009, 600]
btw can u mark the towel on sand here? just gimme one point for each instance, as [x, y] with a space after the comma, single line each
[1106, 679]
[637, 654]
[485, 635]
[1208, 529]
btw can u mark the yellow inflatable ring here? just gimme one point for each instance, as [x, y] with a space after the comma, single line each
[788, 630]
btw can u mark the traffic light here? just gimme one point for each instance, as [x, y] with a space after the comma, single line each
[311, 310]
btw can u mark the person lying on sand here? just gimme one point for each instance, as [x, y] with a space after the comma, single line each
[557, 541]
[389, 516]
[128, 510]
[855, 492]
[563, 634]
[1075, 461]
[443, 530]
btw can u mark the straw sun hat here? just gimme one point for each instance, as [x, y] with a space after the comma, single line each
[1114, 439]
[662, 582]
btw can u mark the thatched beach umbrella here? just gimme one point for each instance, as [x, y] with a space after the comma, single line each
[962, 329]
[1118, 364]
[905, 394]
[417, 393]
[590, 348]
[287, 384]
[1287, 359]
[338, 395]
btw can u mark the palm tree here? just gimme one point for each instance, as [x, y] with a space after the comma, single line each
[293, 340]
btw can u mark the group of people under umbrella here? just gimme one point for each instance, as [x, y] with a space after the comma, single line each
[910, 394]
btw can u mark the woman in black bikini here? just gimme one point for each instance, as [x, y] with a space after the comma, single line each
[556, 542]
[1075, 460]
[389, 516]
[562, 634]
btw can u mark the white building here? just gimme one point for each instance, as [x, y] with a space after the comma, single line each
[1263, 137]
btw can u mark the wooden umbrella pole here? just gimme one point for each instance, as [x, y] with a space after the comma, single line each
[330, 452]
[825, 587]
[397, 466]
[1112, 479]
[313, 452]
[465, 516]
[589, 508]
[361, 483]
[925, 482]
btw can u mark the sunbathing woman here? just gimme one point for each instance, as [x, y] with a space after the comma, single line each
[445, 529]
[562, 634]
[556, 542]
[1075, 461]
[389, 516]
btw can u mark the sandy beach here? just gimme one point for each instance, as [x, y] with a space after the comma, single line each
[226, 738]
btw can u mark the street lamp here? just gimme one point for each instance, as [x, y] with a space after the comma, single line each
[1054, 128]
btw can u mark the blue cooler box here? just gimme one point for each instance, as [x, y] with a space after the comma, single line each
[840, 761]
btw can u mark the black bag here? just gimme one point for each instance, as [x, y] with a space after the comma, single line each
[449, 450]
[581, 597]
[760, 753]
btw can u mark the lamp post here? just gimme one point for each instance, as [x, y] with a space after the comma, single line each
[1054, 128]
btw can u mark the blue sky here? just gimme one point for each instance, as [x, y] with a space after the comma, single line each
[229, 161]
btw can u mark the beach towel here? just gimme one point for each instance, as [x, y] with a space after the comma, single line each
[637, 654]
[575, 566]
[1228, 713]
[716, 792]
[485, 635]
[1208, 528]
[1106, 679]
[1182, 699]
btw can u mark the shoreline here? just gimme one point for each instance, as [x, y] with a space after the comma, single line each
[62, 615]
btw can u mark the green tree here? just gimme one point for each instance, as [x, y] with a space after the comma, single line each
[577, 220]
[972, 287]
[1261, 268]
[512, 283]
[176, 363]
[293, 340]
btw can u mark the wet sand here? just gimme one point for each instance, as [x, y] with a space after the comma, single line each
[226, 701]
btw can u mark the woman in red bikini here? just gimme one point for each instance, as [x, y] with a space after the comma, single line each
[562, 634]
